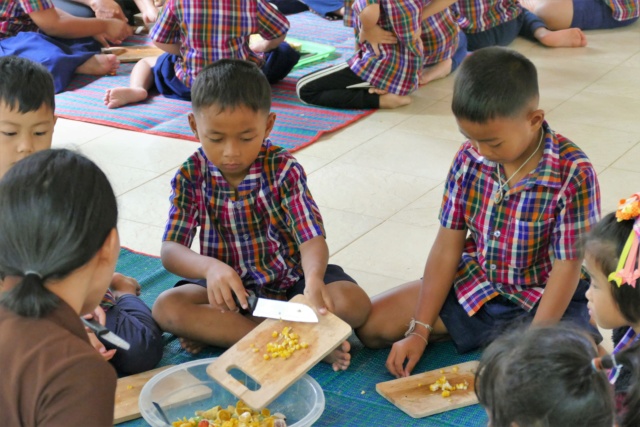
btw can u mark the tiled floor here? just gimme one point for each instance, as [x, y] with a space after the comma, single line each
[379, 181]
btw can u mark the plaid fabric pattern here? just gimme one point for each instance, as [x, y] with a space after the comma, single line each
[475, 16]
[14, 15]
[628, 339]
[108, 300]
[223, 34]
[624, 9]
[348, 19]
[512, 245]
[259, 232]
[439, 37]
[396, 68]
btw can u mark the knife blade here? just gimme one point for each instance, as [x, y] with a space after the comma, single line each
[105, 334]
[274, 309]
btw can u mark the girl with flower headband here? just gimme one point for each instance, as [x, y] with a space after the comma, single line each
[612, 255]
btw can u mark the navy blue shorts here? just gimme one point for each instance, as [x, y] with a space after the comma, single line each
[164, 76]
[461, 52]
[594, 15]
[334, 273]
[500, 314]
[502, 35]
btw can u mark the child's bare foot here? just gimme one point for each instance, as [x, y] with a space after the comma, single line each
[99, 65]
[435, 72]
[122, 285]
[571, 37]
[389, 100]
[193, 347]
[377, 91]
[340, 358]
[121, 96]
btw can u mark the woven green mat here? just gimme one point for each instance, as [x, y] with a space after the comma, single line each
[346, 405]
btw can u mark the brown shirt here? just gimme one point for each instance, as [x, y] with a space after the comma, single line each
[49, 373]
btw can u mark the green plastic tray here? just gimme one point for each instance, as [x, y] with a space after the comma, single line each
[311, 52]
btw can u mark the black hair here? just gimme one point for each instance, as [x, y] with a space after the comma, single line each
[629, 358]
[231, 83]
[25, 85]
[494, 83]
[56, 210]
[542, 377]
[604, 245]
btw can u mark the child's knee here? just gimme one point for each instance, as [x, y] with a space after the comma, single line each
[351, 302]
[165, 310]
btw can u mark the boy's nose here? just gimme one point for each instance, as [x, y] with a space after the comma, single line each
[26, 146]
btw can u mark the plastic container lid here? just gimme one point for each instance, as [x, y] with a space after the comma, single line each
[186, 388]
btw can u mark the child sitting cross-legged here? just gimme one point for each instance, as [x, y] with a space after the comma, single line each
[517, 199]
[195, 33]
[259, 228]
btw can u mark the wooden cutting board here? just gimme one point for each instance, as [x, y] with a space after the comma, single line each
[413, 396]
[133, 53]
[276, 375]
[128, 392]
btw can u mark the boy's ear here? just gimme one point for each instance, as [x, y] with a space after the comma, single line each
[536, 117]
[271, 120]
[193, 125]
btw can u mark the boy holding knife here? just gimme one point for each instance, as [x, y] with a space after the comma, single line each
[259, 228]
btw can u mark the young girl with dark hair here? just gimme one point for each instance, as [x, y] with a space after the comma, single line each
[58, 251]
[612, 253]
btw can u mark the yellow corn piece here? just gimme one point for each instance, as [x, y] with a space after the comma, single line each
[446, 393]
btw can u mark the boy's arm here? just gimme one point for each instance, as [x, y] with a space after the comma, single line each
[273, 26]
[370, 31]
[57, 23]
[314, 255]
[105, 9]
[258, 44]
[172, 48]
[148, 9]
[562, 284]
[222, 280]
[439, 272]
[436, 6]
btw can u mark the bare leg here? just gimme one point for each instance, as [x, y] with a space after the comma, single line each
[556, 14]
[140, 82]
[99, 65]
[352, 305]
[436, 71]
[389, 100]
[391, 313]
[185, 312]
[572, 37]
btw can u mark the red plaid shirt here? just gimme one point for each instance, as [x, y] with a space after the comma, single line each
[475, 16]
[223, 34]
[512, 245]
[14, 15]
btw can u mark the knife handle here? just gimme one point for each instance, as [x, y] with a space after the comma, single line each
[95, 326]
[252, 301]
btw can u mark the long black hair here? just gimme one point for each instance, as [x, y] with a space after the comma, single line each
[56, 210]
[542, 377]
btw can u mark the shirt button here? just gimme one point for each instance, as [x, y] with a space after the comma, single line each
[496, 234]
[238, 205]
[246, 237]
[493, 266]
[499, 286]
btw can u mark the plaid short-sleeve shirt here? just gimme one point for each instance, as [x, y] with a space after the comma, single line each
[257, 232]
[624, 9]
[223, 34]
[475, 16]
[14, 15]
[397, 68]
[439, 37]
[511, 246]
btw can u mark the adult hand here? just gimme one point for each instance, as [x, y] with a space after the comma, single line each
[376, 36]
[222, 283]
[107, 9]
[117, 31]
[101, 317]
[316, 292]
[409, 349]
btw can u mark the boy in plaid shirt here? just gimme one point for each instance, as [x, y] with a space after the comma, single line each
[259, 228]
[192, 42]
[585, 14]
[517, 200]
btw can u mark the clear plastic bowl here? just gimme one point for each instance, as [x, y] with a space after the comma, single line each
[186, 388]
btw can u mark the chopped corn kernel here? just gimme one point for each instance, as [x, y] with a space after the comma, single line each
[454, 369]
[446, 393]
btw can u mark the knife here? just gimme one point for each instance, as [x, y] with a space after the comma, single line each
[105, 334]
[280, 310]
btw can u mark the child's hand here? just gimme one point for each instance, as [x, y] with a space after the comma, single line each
[316, 292]
[222, 283]
[117, 31]
[150, 15]
[107, 9]
[376, 36]
[409, 349]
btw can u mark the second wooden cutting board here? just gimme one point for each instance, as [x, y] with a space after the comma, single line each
[276, 375]
[413, 396]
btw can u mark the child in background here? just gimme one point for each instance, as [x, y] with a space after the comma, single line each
[58, 251]
[517, 199]
[585, 14]
[614, 296]
[498, 22]
[27, 121]
[118, 9]
[36, 30]
[543, 376]
[192, 42]
[260, 229]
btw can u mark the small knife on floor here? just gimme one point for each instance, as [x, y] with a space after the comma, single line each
[105, 334]
[280, 310]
